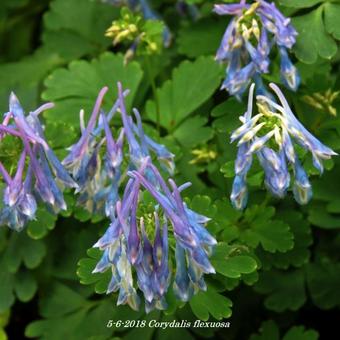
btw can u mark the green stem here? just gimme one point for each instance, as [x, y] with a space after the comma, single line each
[154, 92]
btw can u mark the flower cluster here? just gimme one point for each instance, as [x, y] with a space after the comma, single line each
[127, 245]
[39, 175]
[98, 177]
[248, 41]
[127, 242]
[323, 101]
[145, 33]
[271, 135]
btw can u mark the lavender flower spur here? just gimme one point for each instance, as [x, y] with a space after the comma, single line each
[128, 246]
[271, 135]
[38, 170]
[248, 41]
[98, 177]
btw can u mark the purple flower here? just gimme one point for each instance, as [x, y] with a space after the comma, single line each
[99, 179]
[136, 241]
[39, 175]
[289, 74]
[239, 194]
[271, 135]
[145, 238]
[248, 40]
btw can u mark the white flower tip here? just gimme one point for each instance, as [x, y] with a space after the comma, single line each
[13, 99]
[213, 242]
[96, 245]
[12, 96]
[63, 206]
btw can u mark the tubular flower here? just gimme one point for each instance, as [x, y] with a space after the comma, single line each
[138, 239]
[39, 174]
[248, 40]
[98, 177]
[271, 135]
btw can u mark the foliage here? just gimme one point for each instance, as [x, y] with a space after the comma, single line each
[276, 262]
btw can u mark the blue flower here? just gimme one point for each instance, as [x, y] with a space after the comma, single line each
[99, 178]
[248, 41]
[133, 231]
[289, 73]
[239, 194]
[133, 242]
[271, 135]
[39, 176]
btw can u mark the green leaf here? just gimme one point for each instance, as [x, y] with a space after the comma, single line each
[202, 134]
[226, 219]
[61, 300]
[65, 265]
[7, 297]
[210, 302]
[57, 328]
[300, 3]
[326, 188]
[85, 268]
[179, 97]
[268, 330]
[310, 73]
[299, 333]
[201, 38]
[69, 315]
[332, 15]
[323, 281]
[229, 263]
[202, 204]
[96, 316]
[44, 222]
[319, 216]
[285, 289]
[70, 30]
[3, 335]
[25, 286]
[273, 235]
[22, 249]
[4, 318]
[228, 169]
[251, 278]
[24, 77]
[235, 266]
[313, 40]
[227, 116]
[67, 45]
[58, 135]
[77, 87]
[297, 256]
